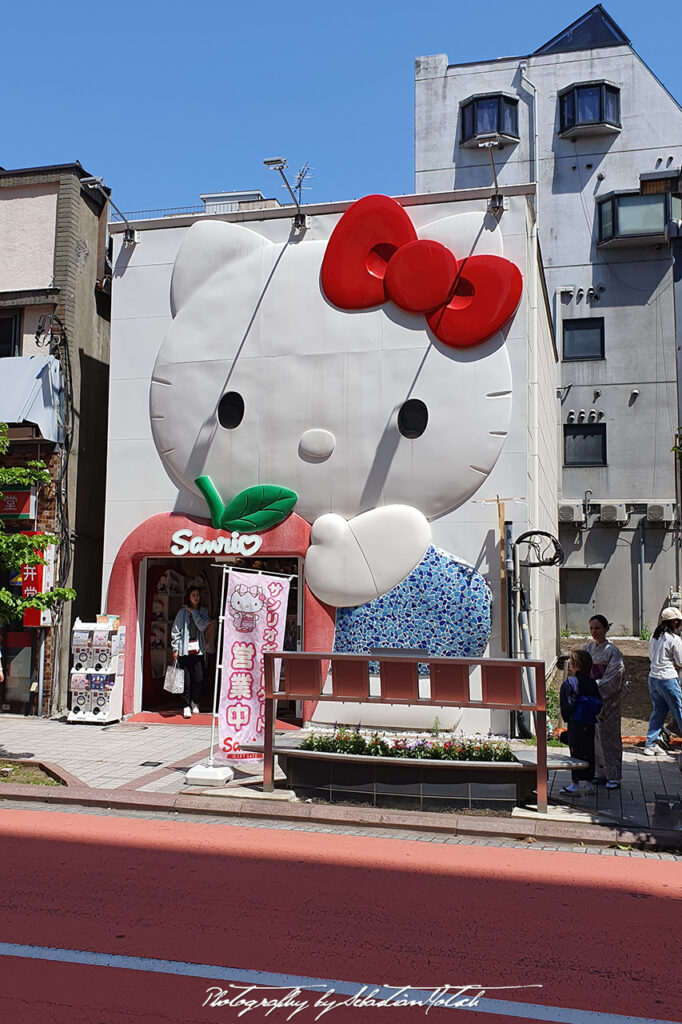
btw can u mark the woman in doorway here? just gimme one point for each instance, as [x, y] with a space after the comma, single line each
[187, 641]
[665, 652]
[609, 671]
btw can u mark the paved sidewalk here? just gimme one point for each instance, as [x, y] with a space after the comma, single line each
[650, 795]
[109, 756]
[132, 758]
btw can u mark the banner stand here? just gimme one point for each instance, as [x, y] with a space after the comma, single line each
[208, 773]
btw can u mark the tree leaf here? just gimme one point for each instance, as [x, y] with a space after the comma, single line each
[258, 508]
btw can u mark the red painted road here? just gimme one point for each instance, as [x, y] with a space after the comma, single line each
[598, 933]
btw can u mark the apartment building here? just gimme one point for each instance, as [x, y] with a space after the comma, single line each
[586, 119]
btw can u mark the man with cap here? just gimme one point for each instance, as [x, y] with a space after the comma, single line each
[665, 653]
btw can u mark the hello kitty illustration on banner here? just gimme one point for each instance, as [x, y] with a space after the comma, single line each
[254, 622]
[359, 378]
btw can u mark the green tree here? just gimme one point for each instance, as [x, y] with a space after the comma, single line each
[16, 549]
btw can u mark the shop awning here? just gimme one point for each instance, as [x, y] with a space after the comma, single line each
[31, 392]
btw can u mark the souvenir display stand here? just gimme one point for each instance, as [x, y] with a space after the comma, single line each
[166, 604]
[96, 679]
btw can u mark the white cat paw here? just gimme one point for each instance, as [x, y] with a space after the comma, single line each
[351, 562]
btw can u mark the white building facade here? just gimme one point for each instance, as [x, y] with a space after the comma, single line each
[238, 358]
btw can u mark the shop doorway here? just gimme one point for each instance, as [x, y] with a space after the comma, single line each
[18, 691]
[166, 581]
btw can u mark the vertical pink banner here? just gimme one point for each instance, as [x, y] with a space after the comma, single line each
[254, 621]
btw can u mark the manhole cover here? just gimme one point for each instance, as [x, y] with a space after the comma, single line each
[126, 728]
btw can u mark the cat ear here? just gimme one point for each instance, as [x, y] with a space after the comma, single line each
[208, 246]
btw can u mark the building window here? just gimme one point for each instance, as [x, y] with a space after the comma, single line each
[491, 116]
[584, 339]
[592, 105]
[584, 444]
[632, 215]
[9, 334]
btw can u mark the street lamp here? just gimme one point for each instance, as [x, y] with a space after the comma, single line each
[278, 163]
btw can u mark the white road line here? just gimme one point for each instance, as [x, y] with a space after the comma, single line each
[214, 972]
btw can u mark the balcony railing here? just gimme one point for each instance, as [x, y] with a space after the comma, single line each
[172, 211]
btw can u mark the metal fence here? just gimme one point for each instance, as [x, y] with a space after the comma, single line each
[173, 211]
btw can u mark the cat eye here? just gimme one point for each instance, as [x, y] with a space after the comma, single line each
[413, 418]
[230, 410]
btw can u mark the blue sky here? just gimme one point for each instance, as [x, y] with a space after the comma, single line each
[169, 99]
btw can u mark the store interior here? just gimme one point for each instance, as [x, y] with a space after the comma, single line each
[167, 580]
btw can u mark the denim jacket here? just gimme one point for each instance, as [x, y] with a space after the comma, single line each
[180, 630]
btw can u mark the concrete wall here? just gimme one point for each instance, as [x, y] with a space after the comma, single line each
[27, 225]
[631, 284]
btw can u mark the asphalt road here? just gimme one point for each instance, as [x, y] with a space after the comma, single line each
[106, 919]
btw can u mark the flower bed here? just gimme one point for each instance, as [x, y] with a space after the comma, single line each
[438, 773]
[346, 741]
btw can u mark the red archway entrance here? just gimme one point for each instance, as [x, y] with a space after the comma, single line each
[153, 539]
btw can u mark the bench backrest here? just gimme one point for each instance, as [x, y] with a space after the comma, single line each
[305, 676]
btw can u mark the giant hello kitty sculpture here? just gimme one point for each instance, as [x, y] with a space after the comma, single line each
[361, 380]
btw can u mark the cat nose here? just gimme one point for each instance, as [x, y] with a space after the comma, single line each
[316, 444]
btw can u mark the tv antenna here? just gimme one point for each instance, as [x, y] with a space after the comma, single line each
[302, 175]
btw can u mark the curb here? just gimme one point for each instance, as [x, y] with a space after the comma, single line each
[371, 818]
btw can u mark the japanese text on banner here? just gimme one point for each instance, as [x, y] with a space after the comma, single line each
[254, 622]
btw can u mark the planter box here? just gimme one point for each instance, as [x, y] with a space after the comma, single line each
[404, 783]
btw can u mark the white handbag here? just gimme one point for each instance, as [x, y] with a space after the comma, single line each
[174, 681]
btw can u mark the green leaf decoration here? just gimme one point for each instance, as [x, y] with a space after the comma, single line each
[258, 508]
[213, 499]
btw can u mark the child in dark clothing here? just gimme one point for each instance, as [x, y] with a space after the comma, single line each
[580, 705]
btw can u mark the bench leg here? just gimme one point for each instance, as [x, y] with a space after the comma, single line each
[269, 753]
[541, 736]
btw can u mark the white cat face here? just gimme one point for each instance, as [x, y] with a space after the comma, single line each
[245, 600]
[260, 380]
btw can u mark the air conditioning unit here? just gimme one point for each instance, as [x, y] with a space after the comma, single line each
[660, 512]
[571, 512]
[613, 512]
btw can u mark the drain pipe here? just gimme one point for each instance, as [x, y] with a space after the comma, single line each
[521, 621]
[641, 575]
[509, 610]
[41, 672]
[523, 68]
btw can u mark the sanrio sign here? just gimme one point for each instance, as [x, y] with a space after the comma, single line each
[185, 542]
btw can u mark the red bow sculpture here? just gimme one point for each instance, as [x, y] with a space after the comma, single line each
[374, 255]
